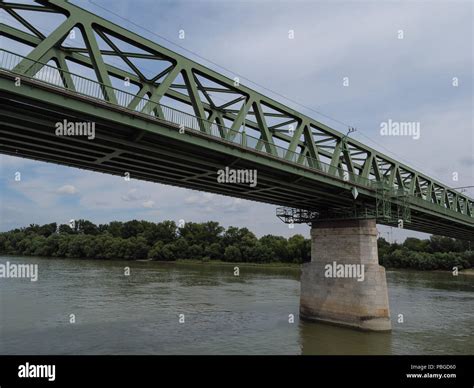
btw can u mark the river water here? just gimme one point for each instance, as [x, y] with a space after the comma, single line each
[91, 307]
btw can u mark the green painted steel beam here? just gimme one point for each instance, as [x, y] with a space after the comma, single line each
[301, 145]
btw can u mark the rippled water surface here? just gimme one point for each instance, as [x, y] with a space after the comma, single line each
[223, 314]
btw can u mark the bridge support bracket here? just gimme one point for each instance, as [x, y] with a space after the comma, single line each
[344, 283]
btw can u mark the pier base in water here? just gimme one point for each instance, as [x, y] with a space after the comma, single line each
[344, 283]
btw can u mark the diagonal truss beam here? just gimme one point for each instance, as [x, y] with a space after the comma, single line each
[302, 144]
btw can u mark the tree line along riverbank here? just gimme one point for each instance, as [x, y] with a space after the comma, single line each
[209, 241]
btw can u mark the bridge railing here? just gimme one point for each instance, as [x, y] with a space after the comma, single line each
[54, 76]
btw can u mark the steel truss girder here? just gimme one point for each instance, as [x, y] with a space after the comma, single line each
[311, 139]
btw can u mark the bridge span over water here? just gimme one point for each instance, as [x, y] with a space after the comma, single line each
[161, 117]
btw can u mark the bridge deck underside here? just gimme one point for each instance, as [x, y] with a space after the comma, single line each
[27, 129]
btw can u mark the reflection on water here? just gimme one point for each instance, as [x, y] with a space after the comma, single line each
[329, 339]
[223, 313]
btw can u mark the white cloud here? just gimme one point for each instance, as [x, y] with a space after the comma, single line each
[200, 198]
[67, 189]
[133, 195]
[148, 204]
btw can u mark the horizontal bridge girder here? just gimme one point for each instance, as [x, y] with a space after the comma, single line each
[251, 127]
[163, 163]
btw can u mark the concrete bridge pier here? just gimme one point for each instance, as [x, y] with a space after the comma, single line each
[344, 283]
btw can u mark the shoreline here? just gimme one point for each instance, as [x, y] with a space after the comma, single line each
[467, 271]
[239, 263]
[276, 265]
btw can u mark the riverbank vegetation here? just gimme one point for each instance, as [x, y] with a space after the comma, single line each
[139, 240]
[209, 241]
[437, 253]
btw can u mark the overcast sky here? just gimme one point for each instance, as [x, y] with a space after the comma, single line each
[405, 80]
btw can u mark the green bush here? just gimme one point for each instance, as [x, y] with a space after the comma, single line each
[135, 240]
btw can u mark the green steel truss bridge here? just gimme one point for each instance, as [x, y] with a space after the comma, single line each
[181, 122]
